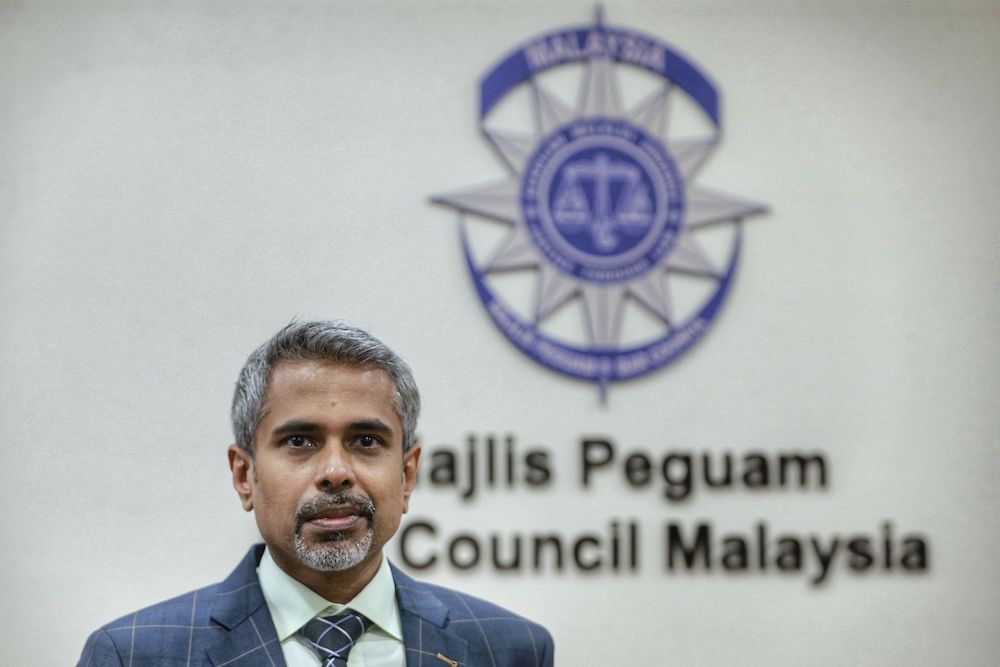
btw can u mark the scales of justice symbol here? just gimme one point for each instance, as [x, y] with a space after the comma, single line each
[604, 259]
[605, 223]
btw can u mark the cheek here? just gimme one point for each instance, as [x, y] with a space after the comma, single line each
[275, 497]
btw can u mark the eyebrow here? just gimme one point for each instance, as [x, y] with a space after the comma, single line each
[372, 425]
[297, 426]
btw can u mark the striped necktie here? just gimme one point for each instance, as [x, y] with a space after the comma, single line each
[333, 637]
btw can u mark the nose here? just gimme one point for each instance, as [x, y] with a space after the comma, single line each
[334, 470]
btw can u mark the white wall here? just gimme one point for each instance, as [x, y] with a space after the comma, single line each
[178, 180]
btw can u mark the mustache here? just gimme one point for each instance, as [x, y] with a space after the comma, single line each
[315, 507]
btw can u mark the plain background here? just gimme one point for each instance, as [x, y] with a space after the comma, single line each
[180, 179]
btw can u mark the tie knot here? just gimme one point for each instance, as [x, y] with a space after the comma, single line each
[332, 637]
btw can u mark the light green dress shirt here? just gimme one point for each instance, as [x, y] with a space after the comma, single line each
[292, 605]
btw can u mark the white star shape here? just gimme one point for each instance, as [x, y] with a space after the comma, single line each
[602, 304]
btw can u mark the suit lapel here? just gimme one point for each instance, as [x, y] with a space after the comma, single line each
[425, 618]
[252, 643]
[250, 639]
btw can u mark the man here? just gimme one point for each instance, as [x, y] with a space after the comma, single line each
[324, 417]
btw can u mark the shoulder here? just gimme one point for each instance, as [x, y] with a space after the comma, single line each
[489, 629]
[462, 606]
[157, 627]
[174, 626]
[191, 607]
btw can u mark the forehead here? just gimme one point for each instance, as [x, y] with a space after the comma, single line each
[316, 385]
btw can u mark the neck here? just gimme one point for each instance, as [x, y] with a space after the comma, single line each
[340, 586]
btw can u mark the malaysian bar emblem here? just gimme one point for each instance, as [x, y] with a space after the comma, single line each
[625, 259]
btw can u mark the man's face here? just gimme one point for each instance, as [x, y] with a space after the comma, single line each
[329, 481]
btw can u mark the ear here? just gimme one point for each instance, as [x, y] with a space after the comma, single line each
[241, 465]
[411, 461]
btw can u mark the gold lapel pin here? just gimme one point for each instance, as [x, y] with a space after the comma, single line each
[443, 658]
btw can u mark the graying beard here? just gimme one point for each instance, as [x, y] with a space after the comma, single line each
[336, 553]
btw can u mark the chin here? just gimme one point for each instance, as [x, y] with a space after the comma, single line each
[334, 555]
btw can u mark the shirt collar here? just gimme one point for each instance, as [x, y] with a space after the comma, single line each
[292, 604]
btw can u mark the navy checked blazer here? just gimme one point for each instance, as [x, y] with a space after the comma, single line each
[229, 624]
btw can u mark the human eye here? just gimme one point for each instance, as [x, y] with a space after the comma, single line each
[299, 442]
[368, 441]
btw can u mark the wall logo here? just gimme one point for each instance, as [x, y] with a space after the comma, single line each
[609, 260]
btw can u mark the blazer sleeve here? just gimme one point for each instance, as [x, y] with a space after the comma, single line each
[100, 651]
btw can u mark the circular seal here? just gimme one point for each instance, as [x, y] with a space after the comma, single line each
[604, 213]
[602, 200]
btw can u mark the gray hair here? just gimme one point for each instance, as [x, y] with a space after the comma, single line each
[327, 340]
